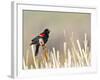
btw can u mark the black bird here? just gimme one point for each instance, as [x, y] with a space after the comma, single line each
[40, 40]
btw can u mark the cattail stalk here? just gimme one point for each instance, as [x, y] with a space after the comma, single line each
[58, 61]
[27, 55]
[81, 54]
[69, 58]
[33, 54]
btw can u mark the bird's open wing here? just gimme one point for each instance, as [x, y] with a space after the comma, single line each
[35, 40]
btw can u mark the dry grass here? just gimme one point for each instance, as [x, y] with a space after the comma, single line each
[76, 56]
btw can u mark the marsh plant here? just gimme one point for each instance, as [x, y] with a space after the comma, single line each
[75, 56]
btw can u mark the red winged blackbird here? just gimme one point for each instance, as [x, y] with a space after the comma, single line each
[40, 40]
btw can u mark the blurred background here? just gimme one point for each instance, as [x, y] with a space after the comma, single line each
[61, 25]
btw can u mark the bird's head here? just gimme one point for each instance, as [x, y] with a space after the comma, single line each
[47, 31]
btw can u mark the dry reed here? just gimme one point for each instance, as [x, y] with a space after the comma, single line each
[72, 57]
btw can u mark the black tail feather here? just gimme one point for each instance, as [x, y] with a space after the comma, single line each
[37, 49]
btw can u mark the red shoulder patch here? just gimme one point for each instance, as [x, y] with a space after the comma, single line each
[42, 35]
[33, 35]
